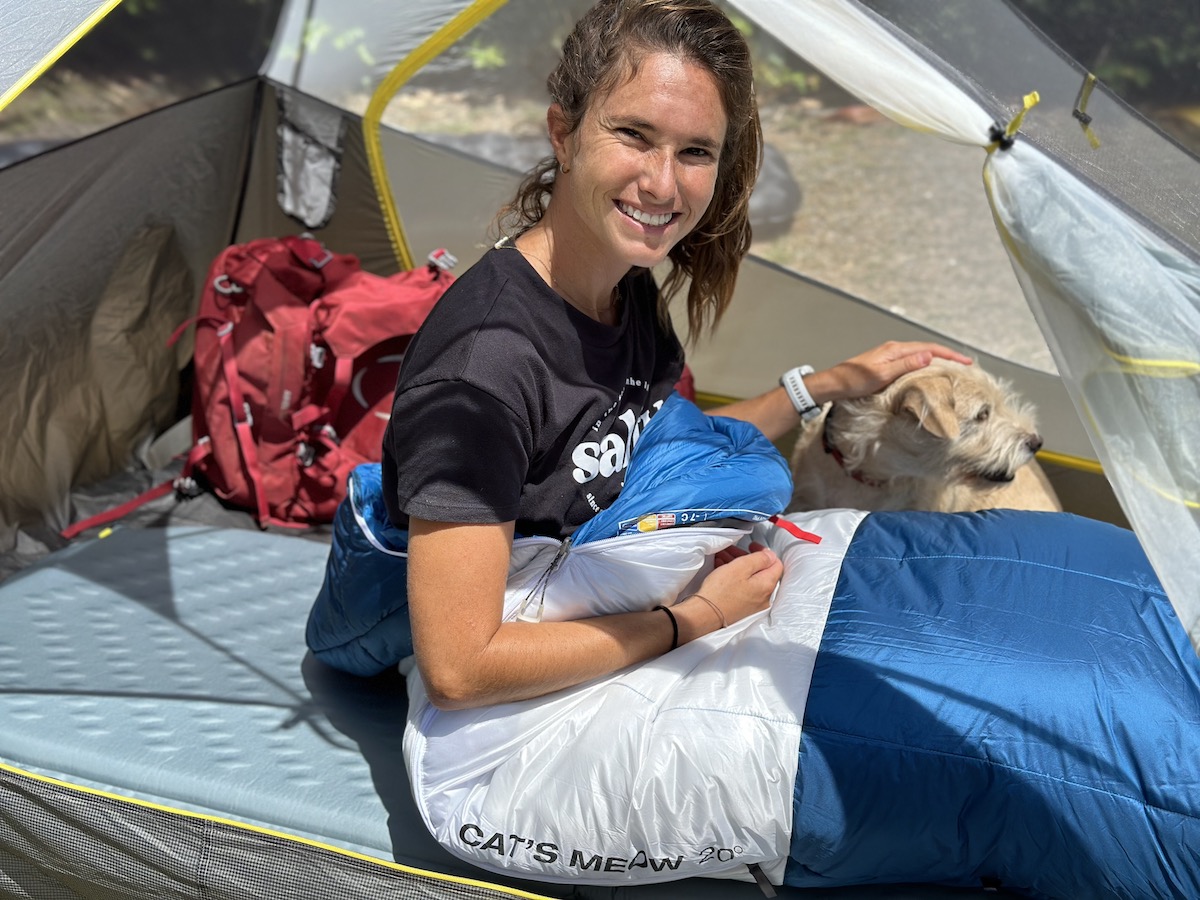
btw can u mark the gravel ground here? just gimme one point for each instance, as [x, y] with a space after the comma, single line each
[901, 219]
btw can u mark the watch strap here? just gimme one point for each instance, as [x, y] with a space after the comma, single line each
[793, 382]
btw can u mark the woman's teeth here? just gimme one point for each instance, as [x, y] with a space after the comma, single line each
[646, 218]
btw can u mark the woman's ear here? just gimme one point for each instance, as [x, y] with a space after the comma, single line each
[560, 134]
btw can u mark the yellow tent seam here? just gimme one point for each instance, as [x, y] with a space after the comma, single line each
[1005, 237]
[257, 829]
[435, 44]
[56, 54]
[1156, 368]
[1166, 495]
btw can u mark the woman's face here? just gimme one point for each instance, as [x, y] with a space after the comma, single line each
[643, 162]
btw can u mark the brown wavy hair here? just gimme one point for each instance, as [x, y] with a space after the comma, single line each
[605, 46]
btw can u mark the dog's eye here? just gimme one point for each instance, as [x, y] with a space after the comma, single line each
[982, 415]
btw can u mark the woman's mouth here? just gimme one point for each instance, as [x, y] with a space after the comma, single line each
[644, 218]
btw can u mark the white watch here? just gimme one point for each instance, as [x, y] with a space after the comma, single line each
[793, 383]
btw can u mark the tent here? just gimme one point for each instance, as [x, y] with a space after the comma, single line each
[106, 239]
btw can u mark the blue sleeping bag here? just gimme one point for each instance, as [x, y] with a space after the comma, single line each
[687, 468]
[999, 698]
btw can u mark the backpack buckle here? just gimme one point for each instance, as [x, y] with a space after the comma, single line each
[223, 285]
[443, 259]
[187, 487]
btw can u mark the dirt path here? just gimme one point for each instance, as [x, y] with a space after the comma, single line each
[901, 219]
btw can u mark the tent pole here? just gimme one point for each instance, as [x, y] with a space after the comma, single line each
[248, 155]
[435, 44]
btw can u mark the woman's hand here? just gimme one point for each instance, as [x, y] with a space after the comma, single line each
[741, 584]
[773, 414]
[875, 369]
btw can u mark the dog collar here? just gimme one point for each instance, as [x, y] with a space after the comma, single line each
[827, 443]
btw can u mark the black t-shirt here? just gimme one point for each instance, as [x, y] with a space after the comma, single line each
[513, 405]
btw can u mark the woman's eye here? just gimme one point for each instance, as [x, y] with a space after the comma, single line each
[630, 133]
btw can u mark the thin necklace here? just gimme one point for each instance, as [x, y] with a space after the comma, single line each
[599, 314]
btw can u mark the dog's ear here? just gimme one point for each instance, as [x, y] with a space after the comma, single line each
[931, 402]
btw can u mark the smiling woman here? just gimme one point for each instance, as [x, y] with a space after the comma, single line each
[522, 398]
[637, 175]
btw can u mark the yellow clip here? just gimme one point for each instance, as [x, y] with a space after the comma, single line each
[1080, 110]
[1004, 140]
[1030, 100]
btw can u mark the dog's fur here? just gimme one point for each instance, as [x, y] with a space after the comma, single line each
[947, 437]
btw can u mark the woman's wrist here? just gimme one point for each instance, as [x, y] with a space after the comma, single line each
[824, 386]
[697, 616]
[674, 626]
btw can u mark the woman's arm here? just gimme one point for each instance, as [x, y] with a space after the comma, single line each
[864, 374]
[468, 657]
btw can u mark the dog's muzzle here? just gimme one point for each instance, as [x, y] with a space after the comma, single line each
[1033, 444]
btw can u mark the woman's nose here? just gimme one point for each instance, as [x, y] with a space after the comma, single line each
[658, 177]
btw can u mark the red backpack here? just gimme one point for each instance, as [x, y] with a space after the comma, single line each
[296, 358]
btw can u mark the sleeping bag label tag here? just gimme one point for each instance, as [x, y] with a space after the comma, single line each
[656, 521]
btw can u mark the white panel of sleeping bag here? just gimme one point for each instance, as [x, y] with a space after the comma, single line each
[636, 573]
[682, 766]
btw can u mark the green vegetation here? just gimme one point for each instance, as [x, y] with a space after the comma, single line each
[777, 71]
[1145, 52]
[196, 45]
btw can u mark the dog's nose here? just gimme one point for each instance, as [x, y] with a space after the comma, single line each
[1034, 443]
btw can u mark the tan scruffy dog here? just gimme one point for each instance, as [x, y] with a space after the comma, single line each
[947, 437]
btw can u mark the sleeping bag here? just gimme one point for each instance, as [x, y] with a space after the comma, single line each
[996, 698]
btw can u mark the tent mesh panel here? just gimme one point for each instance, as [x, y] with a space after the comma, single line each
[58, 843]
[997, 56]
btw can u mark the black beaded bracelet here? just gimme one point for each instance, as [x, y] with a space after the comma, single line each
[674, 626]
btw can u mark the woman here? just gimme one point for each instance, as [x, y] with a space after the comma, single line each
[553, 351]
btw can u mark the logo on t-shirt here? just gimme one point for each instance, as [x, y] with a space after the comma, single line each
[610, 454]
